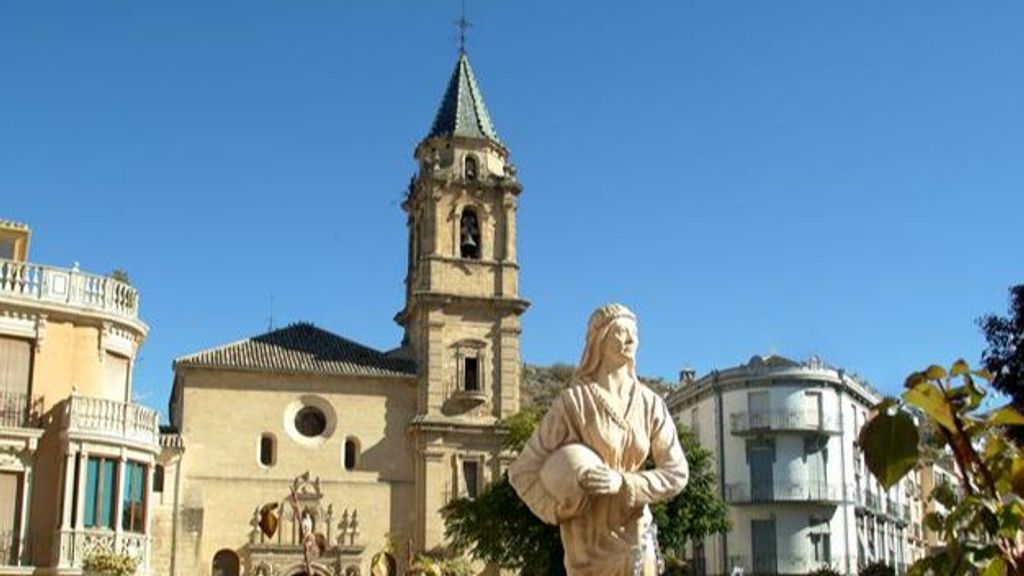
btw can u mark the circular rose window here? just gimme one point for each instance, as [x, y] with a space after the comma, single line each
[310, 421]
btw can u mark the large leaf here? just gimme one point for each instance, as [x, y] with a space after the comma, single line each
[959, 368]
[935, 372]
[1006, 416]
[997, 567]
[930, 398]
[889, 443]
[1017, 477]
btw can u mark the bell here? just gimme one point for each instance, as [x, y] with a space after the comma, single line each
[468, 242]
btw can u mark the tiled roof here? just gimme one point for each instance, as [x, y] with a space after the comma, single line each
[462, 111]
[300, 347]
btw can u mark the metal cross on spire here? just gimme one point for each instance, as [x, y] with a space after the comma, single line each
[462, 24]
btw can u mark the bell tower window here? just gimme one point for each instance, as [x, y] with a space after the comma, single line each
[471, 168]
[469, 235]
[471, 476]
[471, 374]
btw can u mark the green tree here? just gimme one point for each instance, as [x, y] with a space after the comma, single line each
[698, 511]
[1004, 354]
[980, 523]
[498, 527]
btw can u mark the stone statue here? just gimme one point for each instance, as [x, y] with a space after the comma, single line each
[312, 544]
[582, 469]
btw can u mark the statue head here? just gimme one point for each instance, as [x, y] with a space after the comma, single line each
[611, 340]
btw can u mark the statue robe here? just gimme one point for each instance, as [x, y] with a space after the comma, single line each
[605, 536]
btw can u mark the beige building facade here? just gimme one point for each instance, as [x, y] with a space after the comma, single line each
[76, 453]
[366, 446]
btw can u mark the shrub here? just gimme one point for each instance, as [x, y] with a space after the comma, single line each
[103, 562]
[875, 569]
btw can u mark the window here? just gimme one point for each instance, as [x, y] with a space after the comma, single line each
[469, 235]
[15, 366]
[10, 483]
[133, 499]
[472, 168]
[158, 478]
[310, 421]
[821, 540]
[225, 563]
[471, 374]
[116, 368]
[351, 456]
[267, 455]
[471, 475]
[99, 493]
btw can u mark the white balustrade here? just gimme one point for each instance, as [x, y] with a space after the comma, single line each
[784, 420]
[76, 545]
[71, 286]
[121, 420]
[809, 491]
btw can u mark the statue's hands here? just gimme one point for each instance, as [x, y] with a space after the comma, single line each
[601, 480]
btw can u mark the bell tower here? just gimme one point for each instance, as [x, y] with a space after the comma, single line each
[462, 309]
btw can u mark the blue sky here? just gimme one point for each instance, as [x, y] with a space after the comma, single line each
[798, 177]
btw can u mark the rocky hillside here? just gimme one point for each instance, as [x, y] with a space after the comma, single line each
[542, 383]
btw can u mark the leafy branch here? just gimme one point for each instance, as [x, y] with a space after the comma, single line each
[981, 524]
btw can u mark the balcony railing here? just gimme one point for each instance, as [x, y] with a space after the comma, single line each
[117, 420]
[49, 284]
[11, 547]
[75, 545]
[814, 492]
[18, 410]
[785, 564]
[870, 500]
[783, 421]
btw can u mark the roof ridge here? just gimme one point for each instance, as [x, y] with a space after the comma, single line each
[303, 347]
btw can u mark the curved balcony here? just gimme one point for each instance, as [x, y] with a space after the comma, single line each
[782, 564]
[828, 493]
[39, 284]
[119, 422]
[804, 421]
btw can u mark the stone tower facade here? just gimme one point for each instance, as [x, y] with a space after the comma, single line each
[462, 310]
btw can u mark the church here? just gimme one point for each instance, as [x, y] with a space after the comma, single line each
[300, 430]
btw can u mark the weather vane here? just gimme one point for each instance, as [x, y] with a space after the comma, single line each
[462, 23]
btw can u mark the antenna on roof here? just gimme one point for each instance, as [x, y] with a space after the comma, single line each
[462, 24]
[270, 318]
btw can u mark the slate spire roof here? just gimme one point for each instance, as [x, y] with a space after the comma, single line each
[462, 111]
[300, 347]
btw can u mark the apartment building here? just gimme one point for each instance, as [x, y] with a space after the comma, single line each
[784, 437]
[76, 454]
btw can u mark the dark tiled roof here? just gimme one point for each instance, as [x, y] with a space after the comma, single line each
[300, 347]
[462, 111]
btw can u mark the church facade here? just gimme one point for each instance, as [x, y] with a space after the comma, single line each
[364, 446]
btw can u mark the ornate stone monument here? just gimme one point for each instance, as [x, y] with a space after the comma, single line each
[298, 536]
[582, 469]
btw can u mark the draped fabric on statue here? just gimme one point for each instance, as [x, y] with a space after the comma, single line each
[605, 539]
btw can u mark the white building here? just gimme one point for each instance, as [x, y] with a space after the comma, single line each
[784, 439]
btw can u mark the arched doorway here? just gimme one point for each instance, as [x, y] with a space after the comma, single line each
[225, 563]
